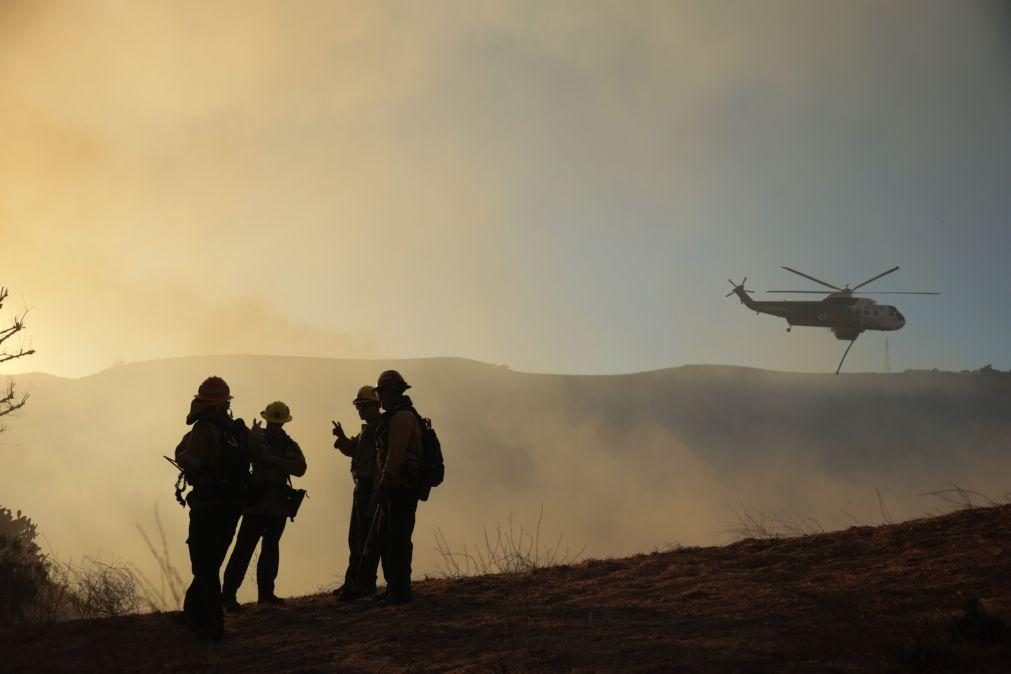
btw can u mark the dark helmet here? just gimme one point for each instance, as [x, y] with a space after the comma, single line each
[213, 390]
[392, 379]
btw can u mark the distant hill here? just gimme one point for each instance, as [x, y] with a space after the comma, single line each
[619, 463]
[886, 599]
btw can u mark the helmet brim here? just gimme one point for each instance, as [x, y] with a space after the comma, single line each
[389, 386]
[213, 399]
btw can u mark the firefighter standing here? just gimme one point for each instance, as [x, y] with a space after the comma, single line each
[399, 439]
[214, 458]
[360, 577]
[275, 458]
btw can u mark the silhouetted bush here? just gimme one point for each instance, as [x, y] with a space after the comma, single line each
[23, 569]
[37, 588]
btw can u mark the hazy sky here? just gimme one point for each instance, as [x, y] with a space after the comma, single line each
[560, 186]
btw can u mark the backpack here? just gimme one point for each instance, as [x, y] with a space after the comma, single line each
[235, 464]
[432, 468]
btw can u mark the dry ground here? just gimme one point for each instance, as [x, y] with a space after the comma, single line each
[865, 599]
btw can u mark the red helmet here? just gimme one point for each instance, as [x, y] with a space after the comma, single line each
[214, 390]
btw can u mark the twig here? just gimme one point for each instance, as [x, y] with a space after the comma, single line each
[885, 515]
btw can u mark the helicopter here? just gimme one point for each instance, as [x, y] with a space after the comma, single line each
[841, 312]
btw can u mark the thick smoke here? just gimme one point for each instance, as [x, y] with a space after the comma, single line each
[620, 464]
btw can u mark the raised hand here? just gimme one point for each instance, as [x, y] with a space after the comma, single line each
[338, 431]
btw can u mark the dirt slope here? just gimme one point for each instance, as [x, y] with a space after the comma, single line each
[864, 599]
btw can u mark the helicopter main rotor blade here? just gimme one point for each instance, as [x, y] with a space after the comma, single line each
[897, 292]
[816, 280]
[875, 278]
[871, 292]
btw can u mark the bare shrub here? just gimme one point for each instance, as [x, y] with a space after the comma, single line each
[512, 549]
[87, 589]
[102, 590]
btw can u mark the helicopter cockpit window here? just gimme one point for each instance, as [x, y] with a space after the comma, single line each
[891, 311]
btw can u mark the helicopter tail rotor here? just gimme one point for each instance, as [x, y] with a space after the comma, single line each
[738, 288]
[735, 286]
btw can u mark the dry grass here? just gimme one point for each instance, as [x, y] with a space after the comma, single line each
[957, 497]
[166, 592]
[772, 524]
[869, 599]
[512, 549]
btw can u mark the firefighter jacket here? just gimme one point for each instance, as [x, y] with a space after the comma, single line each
[362, 450]
[275, 458]
[399, 442]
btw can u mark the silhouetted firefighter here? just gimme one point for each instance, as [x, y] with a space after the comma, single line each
[276, 457]
[363, 561]
[214, 457]
[409, 463]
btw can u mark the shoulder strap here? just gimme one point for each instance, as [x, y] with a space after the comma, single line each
[213, 425]
[424, 422]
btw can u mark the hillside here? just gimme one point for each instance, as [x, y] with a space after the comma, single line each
[864, 599]
[618, 462]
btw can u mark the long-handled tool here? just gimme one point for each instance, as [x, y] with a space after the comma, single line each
[368, 542]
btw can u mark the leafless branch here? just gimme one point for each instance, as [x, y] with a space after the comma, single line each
[14, 328]
[20, 353]
[9, 401]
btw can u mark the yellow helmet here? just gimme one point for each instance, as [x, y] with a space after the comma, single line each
[366, 394]
[277, 412]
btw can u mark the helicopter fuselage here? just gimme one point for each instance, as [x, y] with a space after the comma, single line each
[846, 316]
